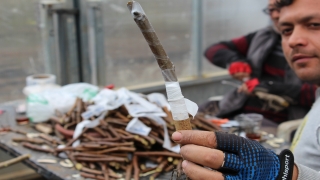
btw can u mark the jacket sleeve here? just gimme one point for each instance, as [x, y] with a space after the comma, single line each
[226, 52]
[303, 94]
[306, 173]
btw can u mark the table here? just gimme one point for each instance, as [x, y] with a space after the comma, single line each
[48, 171]
[57, 172]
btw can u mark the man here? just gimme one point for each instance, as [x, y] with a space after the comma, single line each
[233, 157]
[257, 60]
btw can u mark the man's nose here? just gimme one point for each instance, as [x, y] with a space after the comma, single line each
[297, 38]
[275, 14]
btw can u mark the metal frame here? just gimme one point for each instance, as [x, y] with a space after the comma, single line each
[92, 42]
[74, 43]
[57, 25]
[197, 36]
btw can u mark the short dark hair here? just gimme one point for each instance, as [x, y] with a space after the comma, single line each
[282, 3]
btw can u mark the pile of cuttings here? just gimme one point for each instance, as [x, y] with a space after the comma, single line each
[108, 148]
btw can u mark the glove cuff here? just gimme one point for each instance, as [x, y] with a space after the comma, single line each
[238, 66]
[286, 165]
[251, 84]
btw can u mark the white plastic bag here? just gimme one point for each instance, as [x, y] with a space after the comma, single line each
[84, 91]
[41, 106]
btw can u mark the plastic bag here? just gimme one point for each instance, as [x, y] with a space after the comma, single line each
[41, 106]
[83, 90]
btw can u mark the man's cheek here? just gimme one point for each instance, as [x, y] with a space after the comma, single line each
[288, 59]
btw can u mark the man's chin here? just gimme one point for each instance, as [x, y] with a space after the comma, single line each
[308, 75]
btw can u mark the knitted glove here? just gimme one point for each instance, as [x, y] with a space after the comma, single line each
[247, 159]
[251, 84]
[239, 67]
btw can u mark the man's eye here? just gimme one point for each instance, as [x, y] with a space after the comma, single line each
[315, 25]
[286, 31]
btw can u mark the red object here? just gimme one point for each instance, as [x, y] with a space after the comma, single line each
[110, 86]
[242, 45]
[218, 122]
[251, 84]
[238, 67]
[254, 136]
[22, 120]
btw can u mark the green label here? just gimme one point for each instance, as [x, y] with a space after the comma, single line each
[36, 99]
[89, 93]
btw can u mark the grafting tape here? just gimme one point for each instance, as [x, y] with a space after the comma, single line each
[169, 75]
[176, 101]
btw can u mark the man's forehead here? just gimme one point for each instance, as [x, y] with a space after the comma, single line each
[300, 10]
[272, 2]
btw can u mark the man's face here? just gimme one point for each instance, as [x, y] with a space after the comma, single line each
[274, 12]
[299, 25]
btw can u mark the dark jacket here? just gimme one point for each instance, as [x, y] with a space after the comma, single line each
[254, 49]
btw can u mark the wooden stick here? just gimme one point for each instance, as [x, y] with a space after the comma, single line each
[100, 159]
[121, 116]
[50, 139]
[157, 153]
[113, 132]
[151, 37]
[88, 137]
[67, 126]
[158, 140]
[202, 126]
[114, 174]
[136, 167]
[92, 165]
[29, 140]
[116, 165]
[169, 168]
[14, 160]
[179, 168]
[96, 173]
[150, 139]
[75, 139]
[147, 170]
[158, 51]
[93, 146]
[73, 107]
[119, 154]
[105, 171]
[129, 171]
[205, 122]
[117, 123]
[92, 176]
[37, 148]
[159, 170]
[18, 131]
[160, 159]
[92, 171]
[69, 148]
[169, 118]
[121, 131]
[100, 131]
[101, 140]
[116, 149]
[79, 154]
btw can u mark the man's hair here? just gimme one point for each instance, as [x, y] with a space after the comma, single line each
[282, 3]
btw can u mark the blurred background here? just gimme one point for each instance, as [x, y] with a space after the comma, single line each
[98, 41]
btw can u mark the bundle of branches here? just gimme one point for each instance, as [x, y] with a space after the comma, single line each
[108, 147]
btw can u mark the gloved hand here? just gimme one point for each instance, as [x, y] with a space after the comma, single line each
[251, 84]
[240, 70]
[231, 157]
